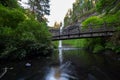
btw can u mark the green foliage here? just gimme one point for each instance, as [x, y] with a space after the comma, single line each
[117, 49]
[94, 20]
[10, 18]
[21, 35]
[92, 42]
[98, 48]
[112, 18]
[75, 42]
[80, 43]
[97, 44]
[6, 31]
[28, 39]
[55, 44]
[33, 30]
[9, 3]
[71, 43]
[40, 8]
[114, 47]
[81, 10]
[108, 6]
[87, 13]
[110, 14]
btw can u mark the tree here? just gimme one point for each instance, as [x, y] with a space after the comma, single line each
[9, 3]
[10, 17]
[57, 25]
[80, 7]
[40, 8]
[108, 6]
[20, 34]
[67, 18]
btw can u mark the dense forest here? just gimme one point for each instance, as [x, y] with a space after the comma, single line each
[24, 32]
[95, 12]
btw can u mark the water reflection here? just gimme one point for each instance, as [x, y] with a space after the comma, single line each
[61, 72]
[56, 74]
[60, 52]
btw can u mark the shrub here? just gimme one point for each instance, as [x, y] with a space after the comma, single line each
[94, 20]
[114, 47]
[98, 48]
[112, 18]
[33, 30]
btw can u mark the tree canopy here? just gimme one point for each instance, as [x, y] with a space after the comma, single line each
[21, 35]
[108, 6]
[40, 8]
[9, 3]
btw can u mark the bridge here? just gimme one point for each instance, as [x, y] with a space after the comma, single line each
[76, 31]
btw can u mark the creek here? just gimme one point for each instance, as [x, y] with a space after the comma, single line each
[65, 64]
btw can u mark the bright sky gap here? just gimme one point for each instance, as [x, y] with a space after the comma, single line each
[58, 10]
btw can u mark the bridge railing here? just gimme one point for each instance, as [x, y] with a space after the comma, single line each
[55, 32]
[78, 29]
[99, 27]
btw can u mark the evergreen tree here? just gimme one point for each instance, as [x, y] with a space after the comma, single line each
[40, 8]
[9, 3]
[80, 7]
[108, 6]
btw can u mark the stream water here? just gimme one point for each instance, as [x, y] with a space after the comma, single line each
[76, 64]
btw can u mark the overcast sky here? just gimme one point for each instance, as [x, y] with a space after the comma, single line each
[58, 9]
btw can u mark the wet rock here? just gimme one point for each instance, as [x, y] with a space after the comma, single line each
[28, 65]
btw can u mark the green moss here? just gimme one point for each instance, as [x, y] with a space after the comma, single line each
[94, 20]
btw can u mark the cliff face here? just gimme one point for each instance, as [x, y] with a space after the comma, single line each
[82, 18]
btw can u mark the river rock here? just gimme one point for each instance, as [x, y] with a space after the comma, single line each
[28, 65]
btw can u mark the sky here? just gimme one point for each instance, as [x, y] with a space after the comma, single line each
[23, 3]
[58, 10]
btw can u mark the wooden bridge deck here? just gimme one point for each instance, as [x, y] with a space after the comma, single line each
[76, 31]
